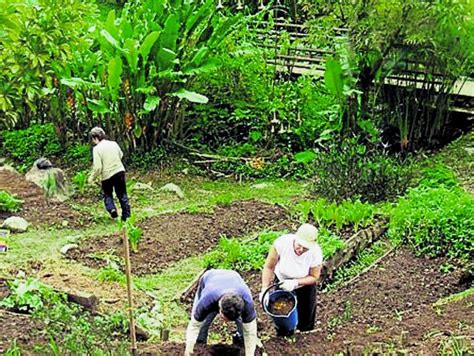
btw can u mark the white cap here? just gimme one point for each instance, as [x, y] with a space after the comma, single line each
[306, 236]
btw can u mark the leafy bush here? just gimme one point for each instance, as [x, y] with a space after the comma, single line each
[351, 171]
[148, 159]
[26, 295]
[78, 156]
[8, 203]
[435, 221]
[25, 146]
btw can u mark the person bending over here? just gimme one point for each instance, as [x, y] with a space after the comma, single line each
[224, 293]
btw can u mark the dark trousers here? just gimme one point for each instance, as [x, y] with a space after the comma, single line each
[306, 297]
[116, 183]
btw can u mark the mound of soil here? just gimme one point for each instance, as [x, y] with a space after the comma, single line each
[21, 328]
[36, 209]
[169, 238]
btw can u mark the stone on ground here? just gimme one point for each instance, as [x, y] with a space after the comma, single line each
[142, 187]
[15, 224]
[171, 187]
[62, 188]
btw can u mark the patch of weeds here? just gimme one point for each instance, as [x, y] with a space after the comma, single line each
[363, 260]
[456, 345]
[26, 295]
[398, 314]
[8, 202]
[13, 350]
[447, 267]
[110, 274]
[80, 181]
[155, 321]
[372, 329]
[330, 243]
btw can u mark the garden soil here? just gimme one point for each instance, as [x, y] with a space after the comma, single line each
[389, 308]
[170, 238]
[36, 209]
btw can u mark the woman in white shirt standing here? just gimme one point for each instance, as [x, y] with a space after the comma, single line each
[296, 261]
[108, 166]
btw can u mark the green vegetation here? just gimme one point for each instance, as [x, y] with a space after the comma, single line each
[8, 203]
[351, 170]
[80, 181]
[454, 297]
[354, 214]
[435, 221]
[250, 255]
[25, 146]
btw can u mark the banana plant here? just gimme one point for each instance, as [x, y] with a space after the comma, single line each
[146, 60]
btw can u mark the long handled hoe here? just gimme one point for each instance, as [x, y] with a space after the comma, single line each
[133, 337]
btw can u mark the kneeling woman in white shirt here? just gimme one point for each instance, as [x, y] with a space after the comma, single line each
[296, 261]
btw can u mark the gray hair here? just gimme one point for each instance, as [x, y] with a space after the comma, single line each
[98, 133]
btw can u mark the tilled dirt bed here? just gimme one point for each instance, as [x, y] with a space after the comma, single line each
[390, 306]
[36, 209]
[172, 237]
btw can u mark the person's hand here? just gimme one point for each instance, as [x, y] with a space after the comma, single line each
[289, 284]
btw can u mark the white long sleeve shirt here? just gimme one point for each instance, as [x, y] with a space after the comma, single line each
[107, 157]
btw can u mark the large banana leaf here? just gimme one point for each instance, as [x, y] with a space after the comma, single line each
[147, 44]
[131, 47]
[165, 58]
[333, 78]
[204, 12]
[114, 76]
[191, 96]
[170, 32]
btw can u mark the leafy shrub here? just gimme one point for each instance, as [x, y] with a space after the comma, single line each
[8, 203]
[148, 159]
[78, 156]
[25, 146]
[26, 295]
[435, 221]
[351, 171]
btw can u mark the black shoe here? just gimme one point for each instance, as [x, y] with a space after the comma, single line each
[237, 339]
[114, 214]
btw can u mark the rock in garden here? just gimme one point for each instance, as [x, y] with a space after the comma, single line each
[142, 187]
[170, 187]
[2, 161]
[15, 224]
[52, 180]
[66, 248]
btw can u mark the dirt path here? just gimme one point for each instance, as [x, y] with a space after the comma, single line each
[173, 237]
[390, 306]
[36, 209]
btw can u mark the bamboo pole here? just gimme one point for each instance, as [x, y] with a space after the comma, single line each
[133, 337]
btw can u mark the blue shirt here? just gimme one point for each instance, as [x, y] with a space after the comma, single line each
[213, 285]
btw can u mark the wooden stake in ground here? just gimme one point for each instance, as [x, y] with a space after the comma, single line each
[133, 337]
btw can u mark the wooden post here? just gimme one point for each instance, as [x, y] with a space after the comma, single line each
[133, 337]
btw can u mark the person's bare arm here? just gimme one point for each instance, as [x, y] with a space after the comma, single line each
[269, 268]
[311, 278]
